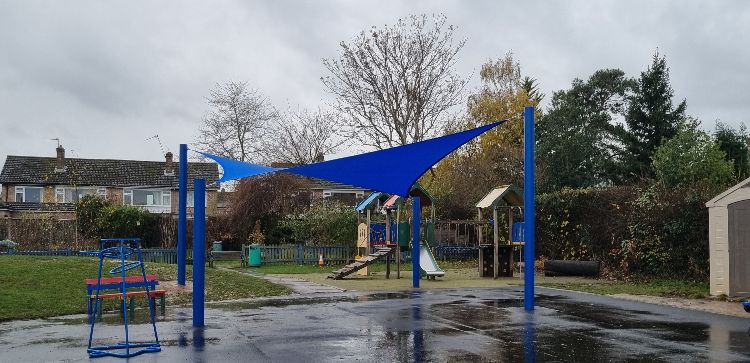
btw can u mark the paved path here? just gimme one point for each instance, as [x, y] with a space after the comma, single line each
[471, 325]
[298, 285]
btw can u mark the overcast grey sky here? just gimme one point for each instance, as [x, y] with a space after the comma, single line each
[104, 76]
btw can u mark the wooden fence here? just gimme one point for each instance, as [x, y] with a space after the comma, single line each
[158, 255]
[301, 254]
[297, 254]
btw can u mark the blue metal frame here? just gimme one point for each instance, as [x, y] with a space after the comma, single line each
[415, 240]
[182, 217]
[122, 248]
[340, 170]
[529, 184]
[199, 251]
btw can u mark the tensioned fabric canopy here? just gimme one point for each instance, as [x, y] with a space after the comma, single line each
[235, 169]
[392, 170]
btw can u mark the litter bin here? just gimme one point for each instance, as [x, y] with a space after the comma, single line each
[254, 255]
[217, 246]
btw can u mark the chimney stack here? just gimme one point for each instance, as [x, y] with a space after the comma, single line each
[60, 164]
[169, 164]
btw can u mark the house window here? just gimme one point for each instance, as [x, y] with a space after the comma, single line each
[29, 194]
[190, 200]
[74, 194]
[147, 197]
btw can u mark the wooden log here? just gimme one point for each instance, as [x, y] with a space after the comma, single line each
[571, 268]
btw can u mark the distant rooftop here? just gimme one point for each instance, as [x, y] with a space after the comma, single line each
[100, 172]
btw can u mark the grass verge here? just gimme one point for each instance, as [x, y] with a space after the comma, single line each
[35, 287]
[664, 288]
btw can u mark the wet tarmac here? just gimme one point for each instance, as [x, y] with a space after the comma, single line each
[471, 325]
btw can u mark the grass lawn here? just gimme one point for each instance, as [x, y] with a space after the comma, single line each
[664, 288]
[34, 287]
[311, 269]
[464, 274]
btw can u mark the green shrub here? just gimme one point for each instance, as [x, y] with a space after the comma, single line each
[653, 231]
[324, 224]
[88, 210]
[124, 221]
[98, 218]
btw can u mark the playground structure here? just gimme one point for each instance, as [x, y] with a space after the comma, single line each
[364, 235]
[387, 241]
[427, 262]
[122, 250]
[363, 170]
[499, 262]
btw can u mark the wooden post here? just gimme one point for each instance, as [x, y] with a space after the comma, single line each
[387, 227]
[398, 243]
[479, 218]
[496, 234]
[368, 231]
[510, 235]
[388, 243]
[456, 234]
[368, 250]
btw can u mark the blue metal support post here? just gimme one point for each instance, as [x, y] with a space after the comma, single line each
[415, 240]
[199, 250]
[182, 217]
[529, 185]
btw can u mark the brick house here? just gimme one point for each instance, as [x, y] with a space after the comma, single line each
[322, 190]
[346, 194]
[34, 186]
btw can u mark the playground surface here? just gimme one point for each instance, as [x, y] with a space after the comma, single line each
[475, 324]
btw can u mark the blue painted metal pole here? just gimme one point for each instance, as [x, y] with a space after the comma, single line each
[199, 250]
[182, 217]
[529, 215]
[415, 240]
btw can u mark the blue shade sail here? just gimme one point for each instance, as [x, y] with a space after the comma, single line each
[392, 170]
[234, 169]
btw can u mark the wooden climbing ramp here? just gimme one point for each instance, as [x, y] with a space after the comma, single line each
[349, 269]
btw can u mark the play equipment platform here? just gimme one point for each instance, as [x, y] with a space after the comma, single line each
[349, 269]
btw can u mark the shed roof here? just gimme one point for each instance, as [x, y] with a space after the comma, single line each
[716, 201]
[417, 190]
[371, 201]
[393, 202]
[508, 194]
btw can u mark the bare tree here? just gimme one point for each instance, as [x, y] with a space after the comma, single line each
[275, 194]
[397, 83]
[238, 119]
[303, 137]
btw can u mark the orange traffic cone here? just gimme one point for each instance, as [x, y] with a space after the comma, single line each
[321, 262]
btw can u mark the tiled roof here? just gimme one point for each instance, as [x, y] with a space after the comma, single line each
[325, 184]
[40, 207]
[101, 172]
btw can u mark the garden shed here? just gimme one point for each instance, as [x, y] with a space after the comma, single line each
[729, 241]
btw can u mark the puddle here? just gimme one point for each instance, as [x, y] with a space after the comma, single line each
[482, 325]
